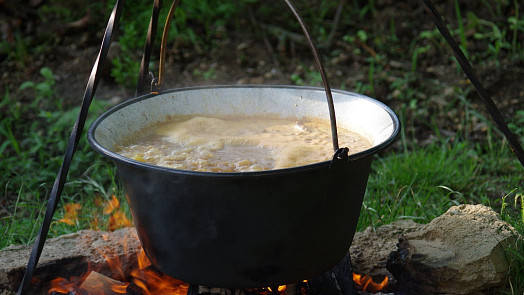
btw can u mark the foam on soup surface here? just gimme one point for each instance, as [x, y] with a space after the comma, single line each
[232, 144]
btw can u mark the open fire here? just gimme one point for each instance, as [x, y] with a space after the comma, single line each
[145, 279]
[366, 283]
[142, 278]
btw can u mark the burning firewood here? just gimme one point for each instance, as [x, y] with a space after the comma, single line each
[99, 284]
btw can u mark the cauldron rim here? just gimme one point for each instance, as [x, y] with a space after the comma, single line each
[127, 161]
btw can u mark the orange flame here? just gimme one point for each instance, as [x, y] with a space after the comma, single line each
[368, 285]
[117, 219]
[71, 212]
[111, 205]
[144, 279]
[61, 285]
[122, 289]
[279, 288]
[142, 259]
[152, 282]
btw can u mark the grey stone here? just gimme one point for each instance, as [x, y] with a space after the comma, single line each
[459, 252]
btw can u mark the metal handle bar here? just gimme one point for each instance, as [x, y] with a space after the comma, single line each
[320, 65]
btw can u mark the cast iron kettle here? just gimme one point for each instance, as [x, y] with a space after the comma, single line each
[250, 229]
[246, 229]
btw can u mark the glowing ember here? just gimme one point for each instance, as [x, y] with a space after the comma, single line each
[119, 288]
[279, 289]
[368, 285]
[61, 285]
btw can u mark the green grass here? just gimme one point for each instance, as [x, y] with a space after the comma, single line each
[423, 182]
[34, 136]
[419, 184]
[513, 212]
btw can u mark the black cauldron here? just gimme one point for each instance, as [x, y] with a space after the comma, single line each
[246, 229]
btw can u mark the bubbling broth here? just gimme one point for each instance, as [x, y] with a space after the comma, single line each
[234, 144]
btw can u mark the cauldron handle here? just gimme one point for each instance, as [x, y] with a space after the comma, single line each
[323, 74]
[314, 50]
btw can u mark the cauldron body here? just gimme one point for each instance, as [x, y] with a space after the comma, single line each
[252, 229]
